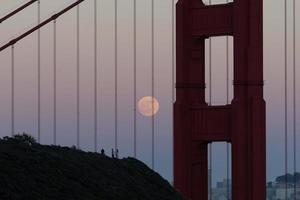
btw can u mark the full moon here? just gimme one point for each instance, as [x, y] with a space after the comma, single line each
[148, 106]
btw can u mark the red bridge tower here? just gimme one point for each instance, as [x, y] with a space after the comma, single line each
[242, 123]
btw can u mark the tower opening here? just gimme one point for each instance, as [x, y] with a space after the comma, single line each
[219, 70]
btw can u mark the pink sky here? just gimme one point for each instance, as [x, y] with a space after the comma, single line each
[26, 73]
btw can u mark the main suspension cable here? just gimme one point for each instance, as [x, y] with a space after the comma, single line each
[17, 10]
[50, 19]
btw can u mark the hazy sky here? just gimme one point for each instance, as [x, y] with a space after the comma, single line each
[26, 78]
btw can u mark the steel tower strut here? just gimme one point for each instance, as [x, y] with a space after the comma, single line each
[17, 10]
[52, 18]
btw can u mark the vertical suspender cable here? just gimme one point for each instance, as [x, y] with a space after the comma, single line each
[227, 102]
[39, 71]
[78, 77]
[227, 70]
[210, 103]
[152, 81]
[116, 74]
[285, 94]
[54, 82]
[173, 52]
[294, 97]
[210, 145]
[12, 90]
[134, 81]
[95, 76]
[173, 74]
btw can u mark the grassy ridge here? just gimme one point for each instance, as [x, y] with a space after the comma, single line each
[32, 171]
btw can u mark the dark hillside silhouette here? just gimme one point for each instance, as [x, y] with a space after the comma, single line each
[32, 171]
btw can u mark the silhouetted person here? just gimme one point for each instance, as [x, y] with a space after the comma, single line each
[102, 152]
[112, 153]
[117, 153]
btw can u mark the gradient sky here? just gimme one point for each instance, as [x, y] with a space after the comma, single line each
[26, 78]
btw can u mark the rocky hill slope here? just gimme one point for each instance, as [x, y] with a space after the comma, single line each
[32, 171]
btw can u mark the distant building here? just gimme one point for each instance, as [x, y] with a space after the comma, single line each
[279, 190]
[275, 190]
[222, 190]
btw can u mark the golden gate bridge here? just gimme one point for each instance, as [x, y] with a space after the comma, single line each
[289, 51]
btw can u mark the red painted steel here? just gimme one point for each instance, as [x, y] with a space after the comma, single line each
[242, 123]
